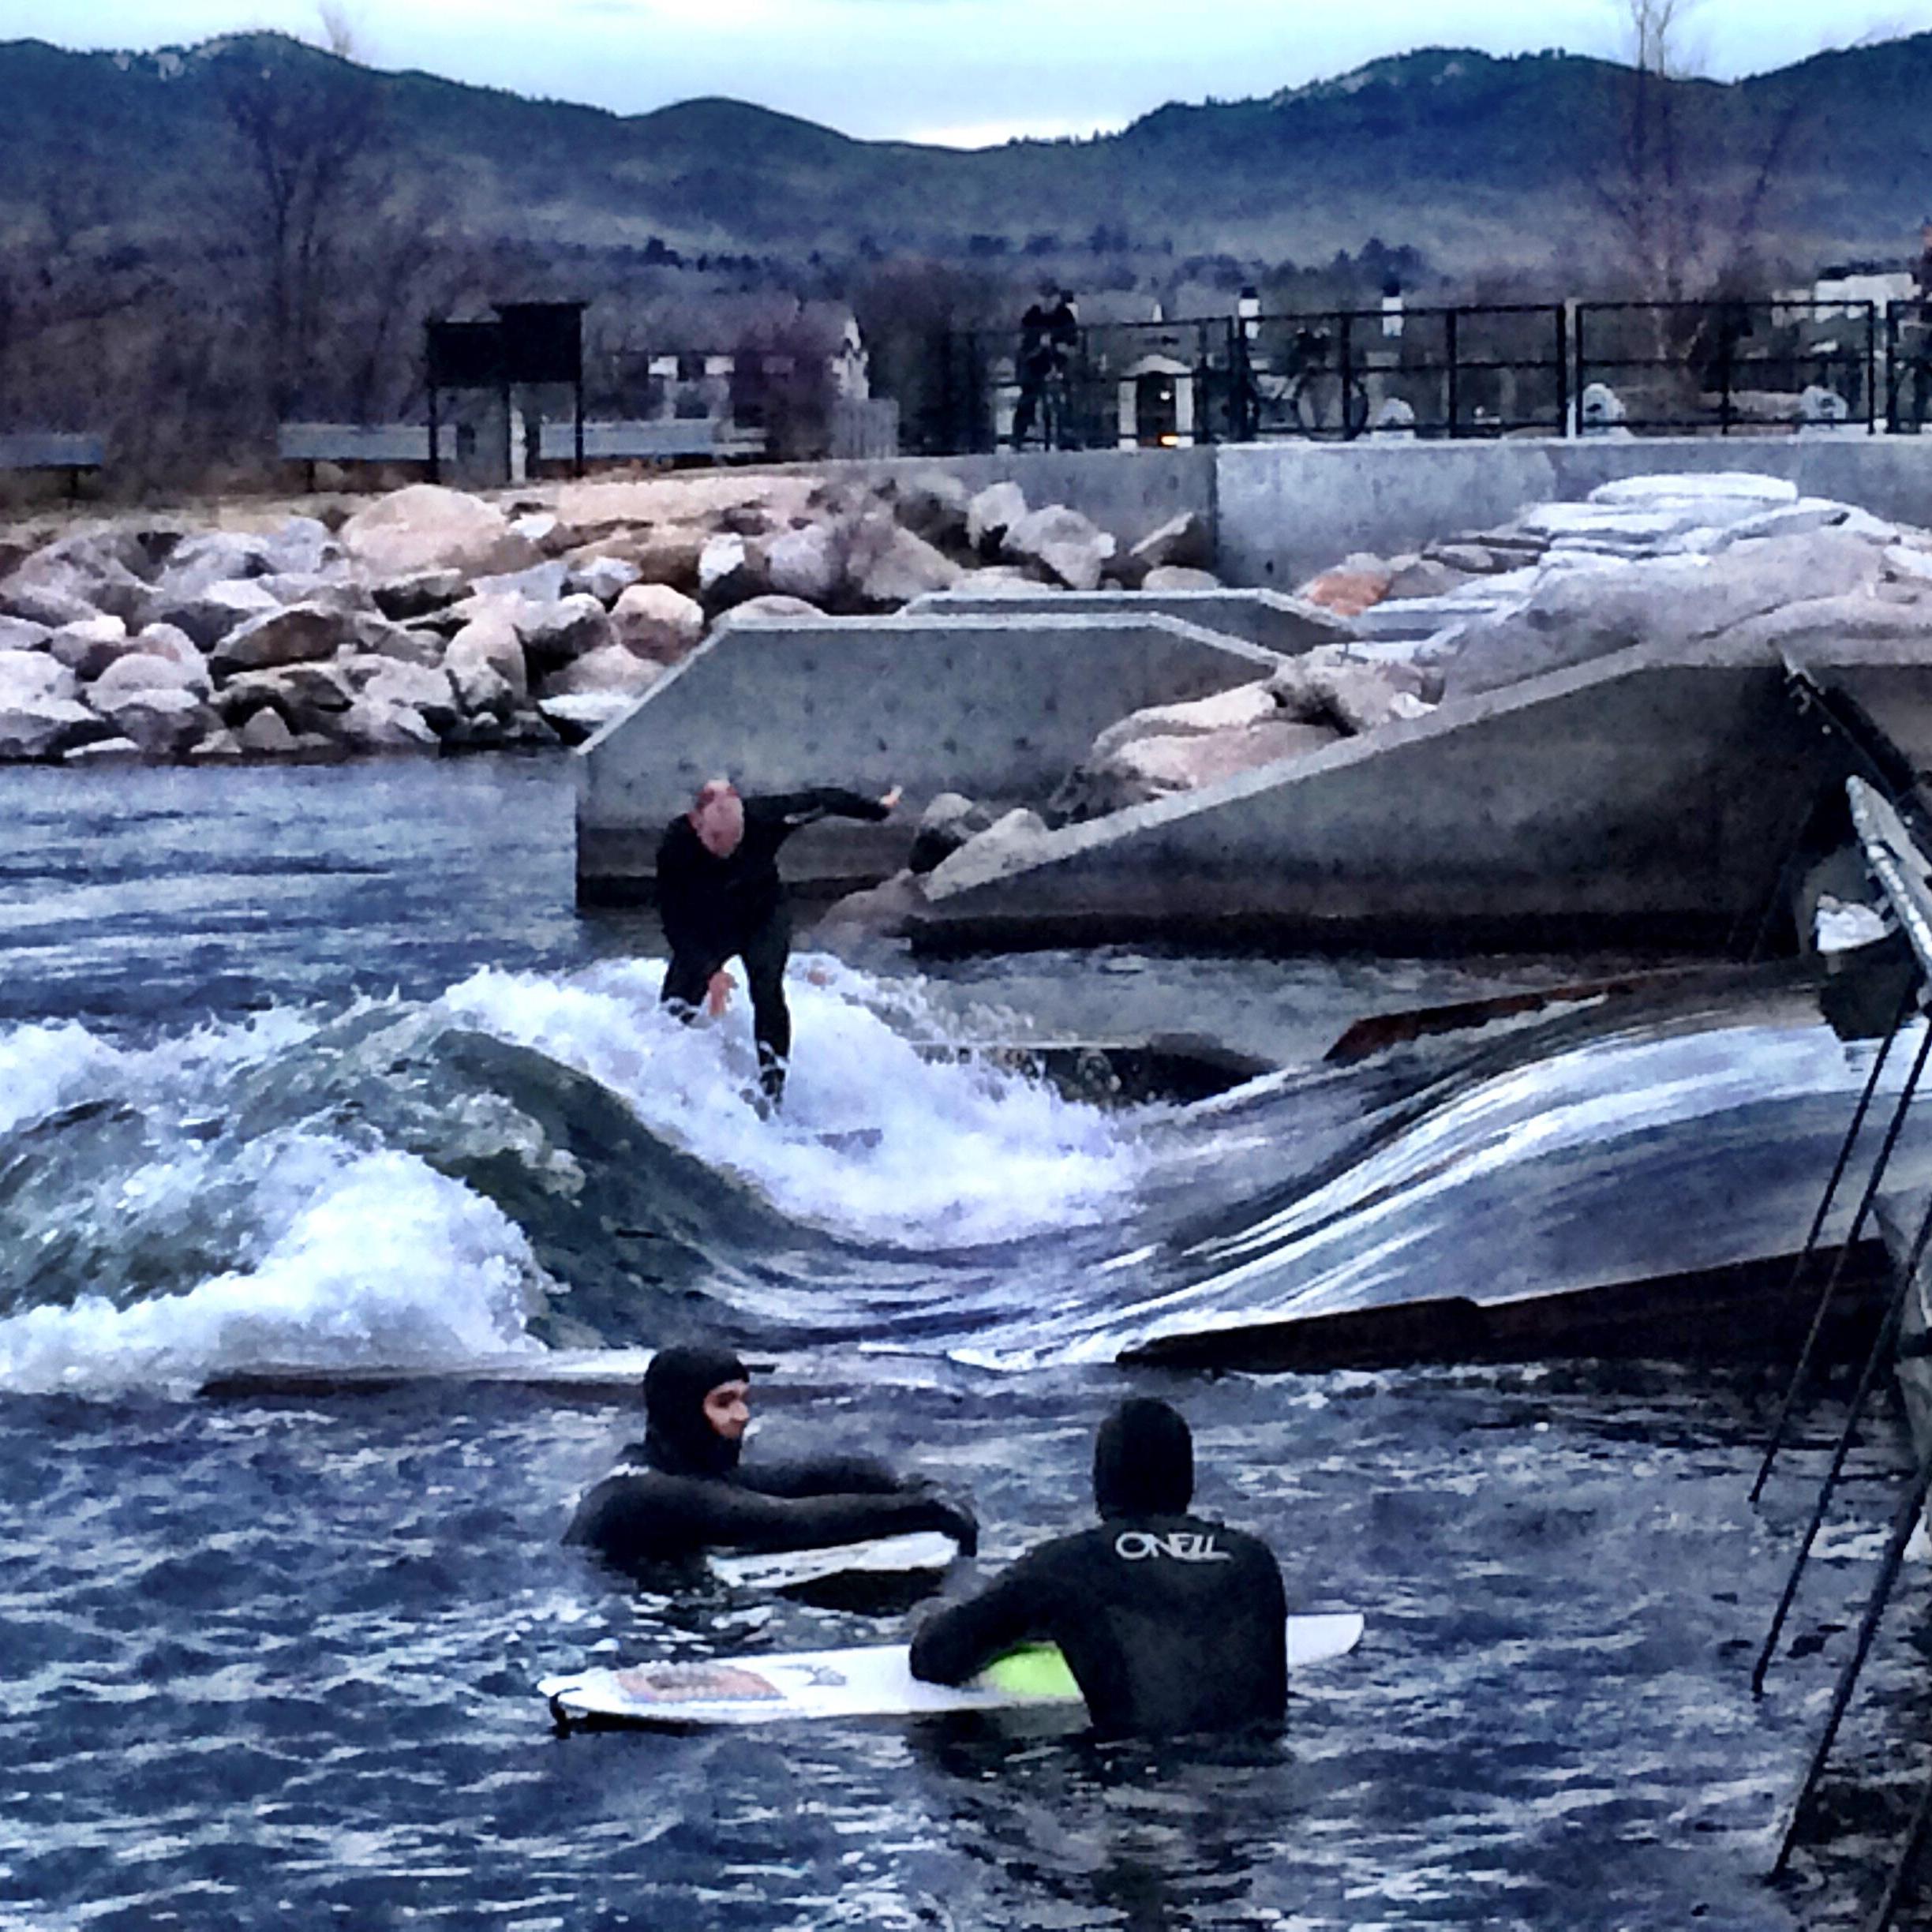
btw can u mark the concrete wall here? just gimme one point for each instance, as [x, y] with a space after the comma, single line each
[1283, 510]
[1646, 799]
[1265, 617]
[1000, 708]
[1287, 510]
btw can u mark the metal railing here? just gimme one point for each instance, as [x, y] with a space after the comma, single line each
[1735, 368]
[1763, 366]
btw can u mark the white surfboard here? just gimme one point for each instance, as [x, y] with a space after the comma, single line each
[870, 1681]
[918, 1552]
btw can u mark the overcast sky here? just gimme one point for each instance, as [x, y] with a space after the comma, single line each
[964, 71]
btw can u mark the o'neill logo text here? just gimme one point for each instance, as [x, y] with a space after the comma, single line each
[1183, 1545]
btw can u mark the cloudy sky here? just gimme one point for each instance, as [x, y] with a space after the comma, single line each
[964, 71]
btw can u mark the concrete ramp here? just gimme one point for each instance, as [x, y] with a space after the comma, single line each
[1000, 707]
[1648, 799]
[1288, 624]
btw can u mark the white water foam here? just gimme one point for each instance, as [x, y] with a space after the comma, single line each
[874, 1142]
[379, 1260]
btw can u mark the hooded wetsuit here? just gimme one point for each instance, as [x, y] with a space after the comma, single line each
[714, 909]
[681, 1491]
[1170, 1623]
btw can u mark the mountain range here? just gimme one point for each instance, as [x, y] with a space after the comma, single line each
[1476, 162]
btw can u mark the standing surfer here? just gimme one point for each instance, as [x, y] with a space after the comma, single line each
[719, 897]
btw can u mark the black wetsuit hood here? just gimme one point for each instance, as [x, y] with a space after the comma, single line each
[678, 1437]
[1143, 1460]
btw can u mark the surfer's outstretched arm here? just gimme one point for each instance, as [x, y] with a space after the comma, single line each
[640, 1520]
[1022, 1606]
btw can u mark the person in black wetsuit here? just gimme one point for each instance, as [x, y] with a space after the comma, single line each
[682, 1491]
[719, 897]
[1170, 1623]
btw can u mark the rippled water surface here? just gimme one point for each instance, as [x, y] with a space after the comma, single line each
[319, 1070]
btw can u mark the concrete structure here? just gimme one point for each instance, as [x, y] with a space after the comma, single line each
[1276, 623]
[1650, 797]
[1279, 512]
[1000, 707]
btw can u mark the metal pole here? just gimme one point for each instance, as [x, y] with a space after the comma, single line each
[1817, 1228]
[1882, 1345]
[1450, 344]
[1345, 323]
[1902, 1527]
[435, 425]
[1895, 1889]
[1871, 368]
[1562, 314]
[580, 417]
[1892, 367]
[1576, 314]
[1723, 371]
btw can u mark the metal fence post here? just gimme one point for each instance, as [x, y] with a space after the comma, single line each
[1576, 316]
[1871, 368]
[1449, 343]
[1345, 322]
[1724, 348]
[1562, 316]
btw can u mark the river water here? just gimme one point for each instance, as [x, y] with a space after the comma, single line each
[319, 1070]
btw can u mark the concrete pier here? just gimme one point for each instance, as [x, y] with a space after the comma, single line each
[1652, 797]
[1001, 708]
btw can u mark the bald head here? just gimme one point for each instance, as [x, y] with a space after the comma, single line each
[717, 817]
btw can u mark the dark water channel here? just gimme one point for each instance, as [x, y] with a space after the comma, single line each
[315, 1067]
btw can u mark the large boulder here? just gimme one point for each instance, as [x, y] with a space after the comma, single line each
[27, 676]
[1061, 543]
[948, 821]
[428, 693]
[165, 640]
[770, 609]
[890, 566]
[45, 727]
[613, 670]
[372, 636]
[809, 563]
[592, 574]
[303, 634]
[991, 513]
[1159, 766]
[426, 527]
[1183, 542]
[374, 723]
[486, 664]
[48, 605]
[164, 720]
[554, 634]
[663, 554]
[142, 670]
[1226, 710]
[207, 615]
[1573, 617]
[657, 622]
[1008, 845]
[89, 648]
[1179, 577]
[310, 697]
[419, 594]
[1350, 695]
[18, 634]
[935, 504]
[731, 568]
[267, 735]
[1351, 588]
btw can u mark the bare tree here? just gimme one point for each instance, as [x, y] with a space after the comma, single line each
[1690, 212]
[310, 128]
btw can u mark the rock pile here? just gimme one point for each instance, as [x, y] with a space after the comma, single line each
[430, 620]
[1725, 560]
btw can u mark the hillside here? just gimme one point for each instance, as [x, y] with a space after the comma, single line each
[1475, 160]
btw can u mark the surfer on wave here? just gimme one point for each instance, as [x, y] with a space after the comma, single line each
[1170, 1623]
[719, 897]
[682, 1491]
